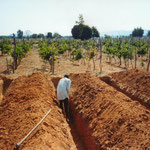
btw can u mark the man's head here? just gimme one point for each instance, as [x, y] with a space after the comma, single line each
[66, 76]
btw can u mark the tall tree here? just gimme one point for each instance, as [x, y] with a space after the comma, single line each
[40, 35]
[81, 20]
[20, 34]
[49, 35]
[137, 32]
[148, 34]
[76, 32]
[80, 24]
[81, 31]
[34, 36]
[95, 32]
[83, 34]
[86, 33]
[56, 35]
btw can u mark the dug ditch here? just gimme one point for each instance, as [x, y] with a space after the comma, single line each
[102, 117]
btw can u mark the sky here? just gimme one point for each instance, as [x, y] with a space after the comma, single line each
[42, 16]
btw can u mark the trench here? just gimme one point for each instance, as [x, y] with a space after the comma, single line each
[111, 83]
[78, 127]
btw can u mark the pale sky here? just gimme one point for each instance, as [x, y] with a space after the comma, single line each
[41, 16]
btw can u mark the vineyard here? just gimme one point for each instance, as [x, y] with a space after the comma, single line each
[122, 52]
[126, 50]
[109, 100]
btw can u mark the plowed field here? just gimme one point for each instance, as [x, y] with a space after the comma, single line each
[25, 103]
[134, 83]
[106, 118]
[105, 113]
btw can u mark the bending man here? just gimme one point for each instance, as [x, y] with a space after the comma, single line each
[62, 94]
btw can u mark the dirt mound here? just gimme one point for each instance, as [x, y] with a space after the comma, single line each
[107, 118]
[55, 81]
[135, 83]
[25, 103]
[4, 84]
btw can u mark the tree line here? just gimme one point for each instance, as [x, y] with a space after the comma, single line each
[20, 35]
[84, 32]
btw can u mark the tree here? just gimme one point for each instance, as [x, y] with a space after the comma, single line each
[86, 33]
[40, 35]
[20, 34]
[81, 31]
[49, 35]
[83, 34]
[76, 32]
[107, 36]
[34, 36]
[148, 34]
[81, 20]
[137, 32]
[56, 35]
[95, 32]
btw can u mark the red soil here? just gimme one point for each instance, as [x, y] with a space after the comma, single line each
[106, 118]
[25, 103]
[6, 81]
[4, 84]
[103, 117]
[135, 83]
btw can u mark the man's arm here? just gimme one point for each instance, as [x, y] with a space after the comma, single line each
[68, 85]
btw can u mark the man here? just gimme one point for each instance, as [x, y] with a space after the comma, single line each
[62, 94]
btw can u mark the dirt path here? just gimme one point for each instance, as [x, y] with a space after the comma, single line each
[63, 65]
[30, 64]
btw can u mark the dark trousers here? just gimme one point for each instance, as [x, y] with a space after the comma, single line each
[65, 101]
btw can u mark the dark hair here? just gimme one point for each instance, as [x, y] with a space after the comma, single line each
[66, 76]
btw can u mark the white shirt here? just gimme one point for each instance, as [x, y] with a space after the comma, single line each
[63, 88]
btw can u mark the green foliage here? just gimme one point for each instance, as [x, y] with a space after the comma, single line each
[20, 34]
[76, 32]
[86, 32]
[5, 46]
[78, 54]
[49, 35]
[92, 54]
[40, 35]
[81, 20]
[34, 36]
[61, 49]
[137, 32]
[56, 35]
[82, 32]
[116, 48]
[26, 47]
[21, 50]
[95, 32]
[148, 34]
[142, 50]
[47, 52]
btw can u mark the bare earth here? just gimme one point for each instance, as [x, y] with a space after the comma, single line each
[103, 116]
[33, 63]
